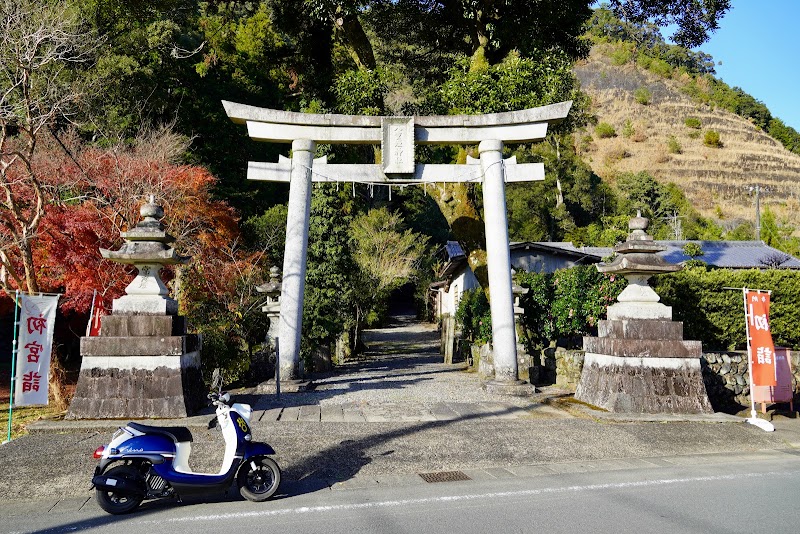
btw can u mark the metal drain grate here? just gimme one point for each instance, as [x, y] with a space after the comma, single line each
[444, 476]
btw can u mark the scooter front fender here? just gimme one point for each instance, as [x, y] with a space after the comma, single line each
[257, 448]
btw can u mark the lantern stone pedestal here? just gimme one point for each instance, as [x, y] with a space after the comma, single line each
[640, 363]
[143, 364]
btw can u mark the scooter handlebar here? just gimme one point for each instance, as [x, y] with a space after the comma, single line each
[216, 398]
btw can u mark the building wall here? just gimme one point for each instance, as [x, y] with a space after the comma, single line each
[464, 281]
[538, 262]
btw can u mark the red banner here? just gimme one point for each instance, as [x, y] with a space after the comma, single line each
[761, 351]
[95, 313]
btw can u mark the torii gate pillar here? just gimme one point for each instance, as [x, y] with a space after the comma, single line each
[294, 257]
[504, 340]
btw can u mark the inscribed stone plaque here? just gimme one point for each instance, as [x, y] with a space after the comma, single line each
[397, 144]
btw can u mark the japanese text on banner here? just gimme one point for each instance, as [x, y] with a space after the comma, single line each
[35, 342]
[761, 349]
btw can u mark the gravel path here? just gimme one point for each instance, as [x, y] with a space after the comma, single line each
[401, 365]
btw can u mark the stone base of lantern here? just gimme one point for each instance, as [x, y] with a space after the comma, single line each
[145, 305]
[139, 367]
[643, 366]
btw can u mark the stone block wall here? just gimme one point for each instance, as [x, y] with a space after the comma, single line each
[559, 366]
[569, 364]
[481, 359]
[727, 382]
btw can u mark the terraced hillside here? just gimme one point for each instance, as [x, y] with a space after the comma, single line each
[718, 181]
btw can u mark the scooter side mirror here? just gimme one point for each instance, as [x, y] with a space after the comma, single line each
[225, 397]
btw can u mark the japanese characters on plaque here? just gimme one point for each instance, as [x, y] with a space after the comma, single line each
[397, 145]
[34, 346]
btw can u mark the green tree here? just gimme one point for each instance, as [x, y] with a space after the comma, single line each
[328, 308]
[693, 21]
[39, 42]
[388, 255]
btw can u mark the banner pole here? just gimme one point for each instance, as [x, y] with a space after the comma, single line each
[749, 354]
[753, 419]
[91, 314]
[277, 369]
[13, 365]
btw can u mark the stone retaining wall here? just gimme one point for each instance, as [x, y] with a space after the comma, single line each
[727, 383]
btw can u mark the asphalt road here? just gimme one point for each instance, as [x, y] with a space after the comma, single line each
[756, 492]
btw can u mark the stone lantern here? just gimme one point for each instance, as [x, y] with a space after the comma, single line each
[639, 362]
[262, 360]
[527, 368]
[637, 260]
[146, 248]
[143, 364]
[272, 290]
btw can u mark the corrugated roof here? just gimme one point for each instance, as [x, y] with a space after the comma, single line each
[454, 250]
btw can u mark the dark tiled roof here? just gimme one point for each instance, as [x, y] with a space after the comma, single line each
[731, 254]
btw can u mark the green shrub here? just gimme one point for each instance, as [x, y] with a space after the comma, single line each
[715, 315]
[604, 130]
[567, 303]
[693, 122]
[694, 134]
[643, 96]
[673, 145]
[474, 316]
[693, 250]
[537, 320]
[621, 56]
[711, 138]
[627, 129]
[644, 61]
[661, 68]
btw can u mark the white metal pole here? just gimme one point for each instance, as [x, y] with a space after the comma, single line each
[13, 365]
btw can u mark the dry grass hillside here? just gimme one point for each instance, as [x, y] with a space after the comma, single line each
[716, 180]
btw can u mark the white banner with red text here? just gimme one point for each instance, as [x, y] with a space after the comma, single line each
[34, 346]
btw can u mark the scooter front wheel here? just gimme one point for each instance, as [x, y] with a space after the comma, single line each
[258, 478]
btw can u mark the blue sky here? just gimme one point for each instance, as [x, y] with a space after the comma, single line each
[758, 43]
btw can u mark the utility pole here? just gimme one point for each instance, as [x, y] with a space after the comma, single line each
[757, 189]
[676, 224]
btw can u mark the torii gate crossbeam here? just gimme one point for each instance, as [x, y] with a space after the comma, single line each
[397, 137]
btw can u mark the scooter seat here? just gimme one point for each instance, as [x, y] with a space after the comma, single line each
[178, 434]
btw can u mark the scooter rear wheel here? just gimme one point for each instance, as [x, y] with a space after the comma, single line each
[258, 478]
[115, 502]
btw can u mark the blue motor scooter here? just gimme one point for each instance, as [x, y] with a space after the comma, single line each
[148, 462]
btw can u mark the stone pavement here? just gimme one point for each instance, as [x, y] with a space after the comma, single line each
[396, 414]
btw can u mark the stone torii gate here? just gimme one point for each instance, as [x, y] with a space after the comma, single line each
[397, 137]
